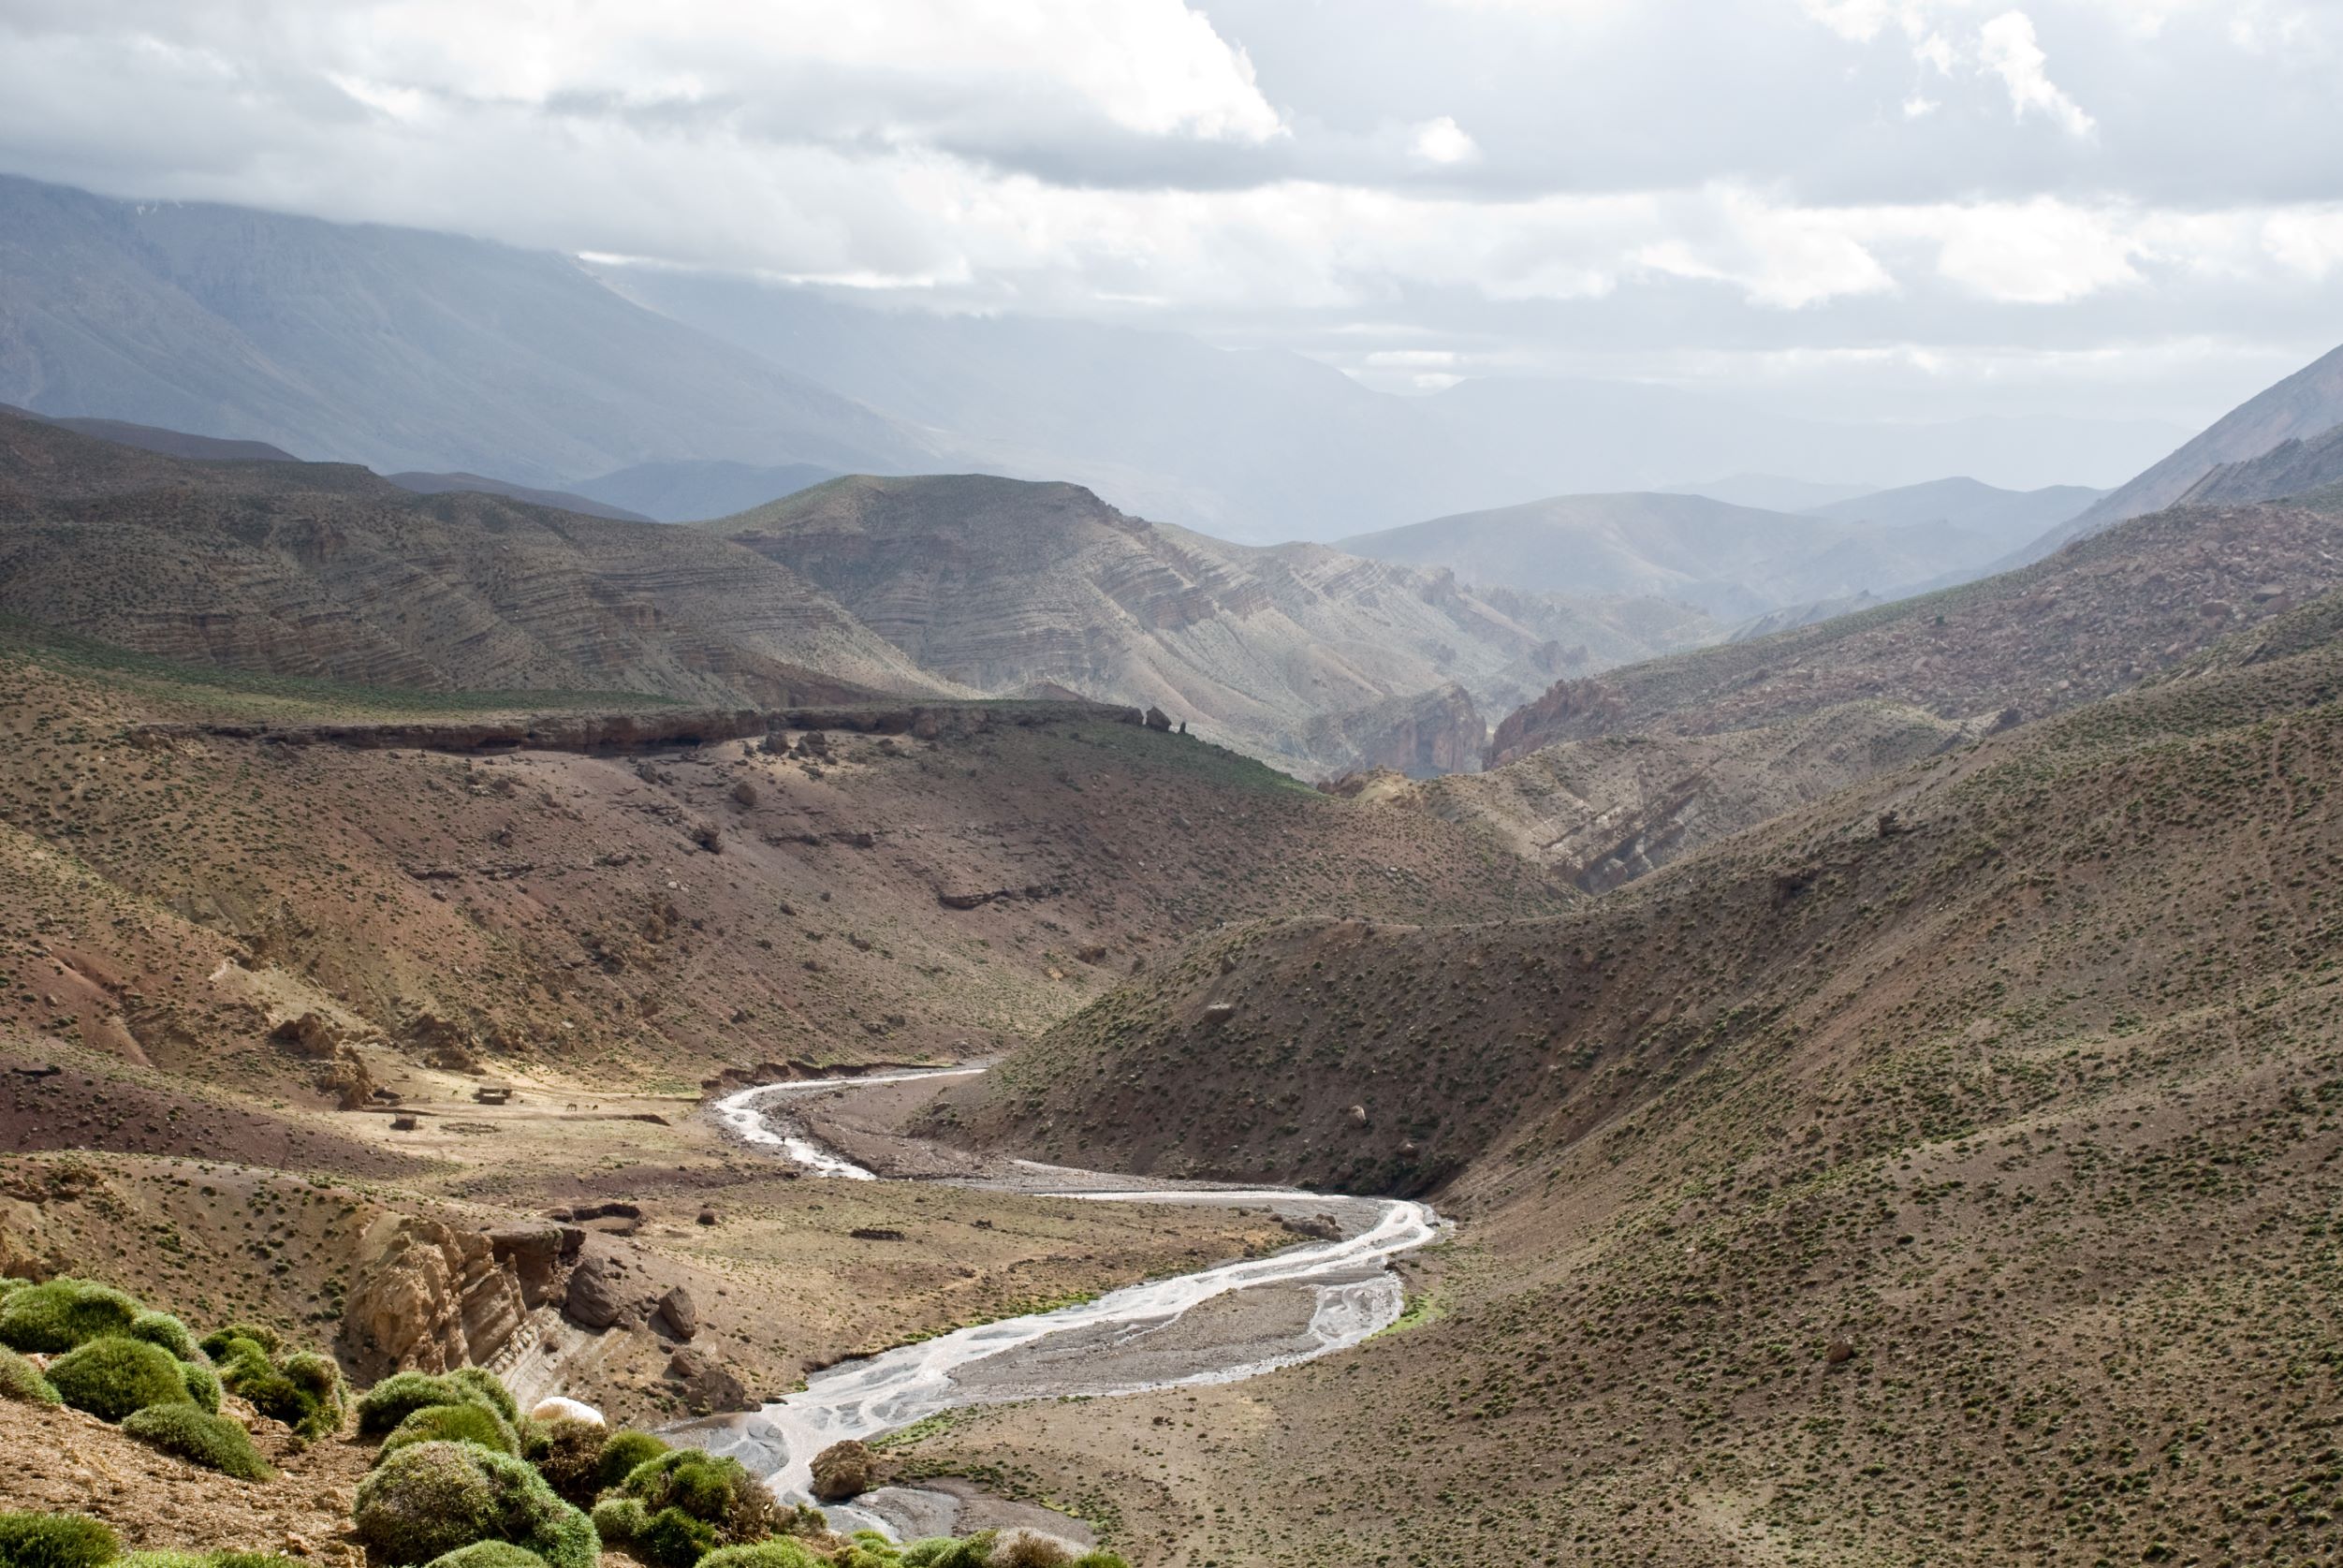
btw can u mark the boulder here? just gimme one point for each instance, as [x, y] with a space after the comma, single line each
[533, 1253]
[1158, 720]
[707, 1384]
[844, 1470]
[312, 1035]
[1218, 1014]
[678, 1313]
[594, 1299]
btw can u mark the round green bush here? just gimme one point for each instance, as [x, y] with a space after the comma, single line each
[942, 1551]
[52, 1318]
[451, 1424]
[22, 1380]
[488, 1554]
[428, 1499]
[622, 1451]
[779, 1552]
[161, 1329]
[485, 1386]
[400, 1396]
[206, 1559]
[215, 1343]
[567, 1452]
[213, 1441]
[54, 1541]
[321, 1390]
[671, 1538]
[702, 1485]
[110, 1377]
[203, 1385]
[619, 1519]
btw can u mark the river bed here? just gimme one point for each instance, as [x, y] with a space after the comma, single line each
[1231, 1321]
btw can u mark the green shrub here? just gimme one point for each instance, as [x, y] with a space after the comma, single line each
[619, 1519]
[483, 1385]
[673, 1539]
[111, 1377]
[63, 1314]
[324, 1398]
[567, 1452]
[215, 1343]
[206, 1559]
[465, 1423]
[1100, 1558]
[213, 1441]
[54, 1540]
[400, 1395]
[203, 1385]
[622, 1451]
[161, 1329]
[488, 1554]
[715, 1491]
[1023, 1548]
[21, 1380]
[428, 1499]
[306, 1393]
[779, 1552]
[942, 1551]
[10, 1284]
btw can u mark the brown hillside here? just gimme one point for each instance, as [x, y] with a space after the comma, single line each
[1955, 1189]
[2092, 620]
[1295, 654]
[318, 569]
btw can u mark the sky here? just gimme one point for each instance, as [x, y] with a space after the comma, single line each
[1894, 208]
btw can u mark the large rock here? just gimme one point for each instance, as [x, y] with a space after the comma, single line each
[844, 1470]
[708, 1385]
[678, 1313]
[426, 1296]
[596, 1296]
[533, 1253]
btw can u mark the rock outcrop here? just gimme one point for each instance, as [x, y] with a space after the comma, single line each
[427, 1297]
[708, 1384]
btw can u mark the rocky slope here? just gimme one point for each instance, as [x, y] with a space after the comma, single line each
[2305, 405]
[322, 569]
[1604, 812]
[1955, 1186]
[2096, 618]
[998, 585]
[2295, 466]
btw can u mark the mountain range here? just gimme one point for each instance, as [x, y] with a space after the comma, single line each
[411, 351]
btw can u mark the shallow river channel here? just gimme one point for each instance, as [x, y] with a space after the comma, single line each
[1231, 1321]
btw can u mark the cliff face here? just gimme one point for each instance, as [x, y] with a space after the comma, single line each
[1291, 654]
[2292, 468]
[327, 571]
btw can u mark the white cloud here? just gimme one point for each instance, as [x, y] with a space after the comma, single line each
[2007, 47]
[1445, 142]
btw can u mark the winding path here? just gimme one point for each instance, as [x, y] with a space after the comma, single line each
[1099, 1348]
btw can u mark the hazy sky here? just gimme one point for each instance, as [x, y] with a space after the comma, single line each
[1897, 207]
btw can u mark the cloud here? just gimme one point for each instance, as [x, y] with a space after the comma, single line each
[1444, 141]
[2007, 48]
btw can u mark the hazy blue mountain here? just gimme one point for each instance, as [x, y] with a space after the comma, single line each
[477, 483]
[1770, 492]
[1732, 562]
[2002, 518]
[392, 347]
[695, 490]
[170, 443]
[1262, 445]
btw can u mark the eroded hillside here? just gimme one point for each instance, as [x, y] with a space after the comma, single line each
[1951, 1185]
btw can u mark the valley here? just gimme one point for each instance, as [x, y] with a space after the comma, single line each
[681, 906]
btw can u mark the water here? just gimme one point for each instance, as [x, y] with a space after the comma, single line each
[1355, 1295]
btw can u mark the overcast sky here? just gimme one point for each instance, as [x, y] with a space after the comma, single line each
[1904, 208]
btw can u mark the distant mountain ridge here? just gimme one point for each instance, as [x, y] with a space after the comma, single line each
[698, 489]
[1732, 562]
[2305, 405]
[327, 570]
[1319, 661]
[398, 348]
